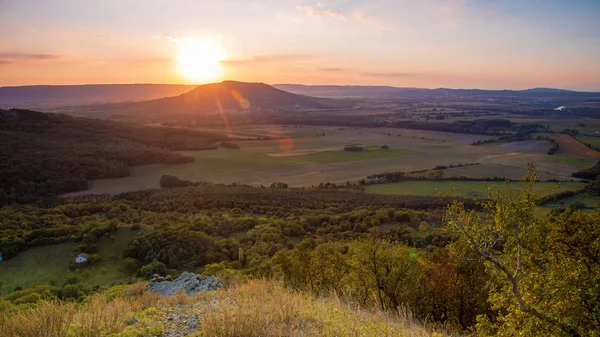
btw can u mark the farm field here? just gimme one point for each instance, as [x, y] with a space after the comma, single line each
[590, 202]
[559, 124]
[571, 147]
[594, 141]
[49, 263]
[303, 161]
[579, 163]
[469, 189]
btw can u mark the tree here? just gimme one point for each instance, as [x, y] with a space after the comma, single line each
[154, 267]
[390, 270]
[546, 270]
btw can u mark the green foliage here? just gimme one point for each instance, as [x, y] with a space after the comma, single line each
[546, 270]
[44, 154]
[94, 258]
[154, 267]
[388, 275]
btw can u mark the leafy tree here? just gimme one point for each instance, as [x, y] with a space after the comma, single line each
[154, 267]
[547, 270]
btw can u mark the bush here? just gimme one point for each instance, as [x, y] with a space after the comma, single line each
[155, 267]
[230, 145]
[169, 181]
[94, 258]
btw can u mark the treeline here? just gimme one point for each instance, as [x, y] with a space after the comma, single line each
[552, 141]
[353, 148]
[507, 138]
[591, 173]
[42, 154]
[491, 126]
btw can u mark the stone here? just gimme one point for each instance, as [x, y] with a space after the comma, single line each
[189, 282]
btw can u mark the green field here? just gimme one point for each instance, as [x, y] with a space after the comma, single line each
[591, 202]
[594, 141]
[579, 163]
[469, 189]
[370, 152]
[49, 263]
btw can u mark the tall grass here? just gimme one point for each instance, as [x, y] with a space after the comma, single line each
[253, 308]
[265, 308]
[99, 315]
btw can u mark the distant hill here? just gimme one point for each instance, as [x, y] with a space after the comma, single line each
[213, 98]
[383, 92]
[61, 95]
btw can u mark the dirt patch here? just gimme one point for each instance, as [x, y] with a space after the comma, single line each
[571, 147]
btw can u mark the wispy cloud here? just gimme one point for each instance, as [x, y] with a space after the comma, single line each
[452, 12]
[267, 59]
[27, 56]
[321, 10]
[333, 70]
[396, 74]
[146, 60]
[6, 62]
[370, 20]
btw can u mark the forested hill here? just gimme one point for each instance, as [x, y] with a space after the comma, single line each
[44, 154]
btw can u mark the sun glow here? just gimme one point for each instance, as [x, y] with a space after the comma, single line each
[199, 58]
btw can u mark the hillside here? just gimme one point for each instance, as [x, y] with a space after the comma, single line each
[38, 96]
[47, 154]
[215, 98]
[256, 308]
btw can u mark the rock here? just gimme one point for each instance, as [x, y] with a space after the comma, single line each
[189, 282]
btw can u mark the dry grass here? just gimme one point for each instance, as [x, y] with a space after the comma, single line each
[99, 315]
[254, 308]
[263, 308]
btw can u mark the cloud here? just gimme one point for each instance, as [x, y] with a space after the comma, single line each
[6, 62]
[147, 60]
[333, 69]
[451, 13]
[27, 56]
[370, 20]
[267, 59]
[322, 10]
[395, 75]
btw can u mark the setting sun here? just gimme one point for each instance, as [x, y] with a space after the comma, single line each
[198, 58]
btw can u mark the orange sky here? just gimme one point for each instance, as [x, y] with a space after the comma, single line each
[446, 43]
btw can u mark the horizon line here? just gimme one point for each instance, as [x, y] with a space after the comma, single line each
[302, 84]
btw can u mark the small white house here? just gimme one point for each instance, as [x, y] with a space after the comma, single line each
[81, 258]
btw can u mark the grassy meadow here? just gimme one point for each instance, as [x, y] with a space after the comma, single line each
[49, 263]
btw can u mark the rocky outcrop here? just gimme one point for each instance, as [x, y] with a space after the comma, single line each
[189, 282]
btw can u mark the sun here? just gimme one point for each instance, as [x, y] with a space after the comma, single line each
[199, 58]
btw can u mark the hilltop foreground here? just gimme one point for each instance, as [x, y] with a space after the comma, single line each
[254, 308]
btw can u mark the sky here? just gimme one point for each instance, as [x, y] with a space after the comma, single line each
[487, 44]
